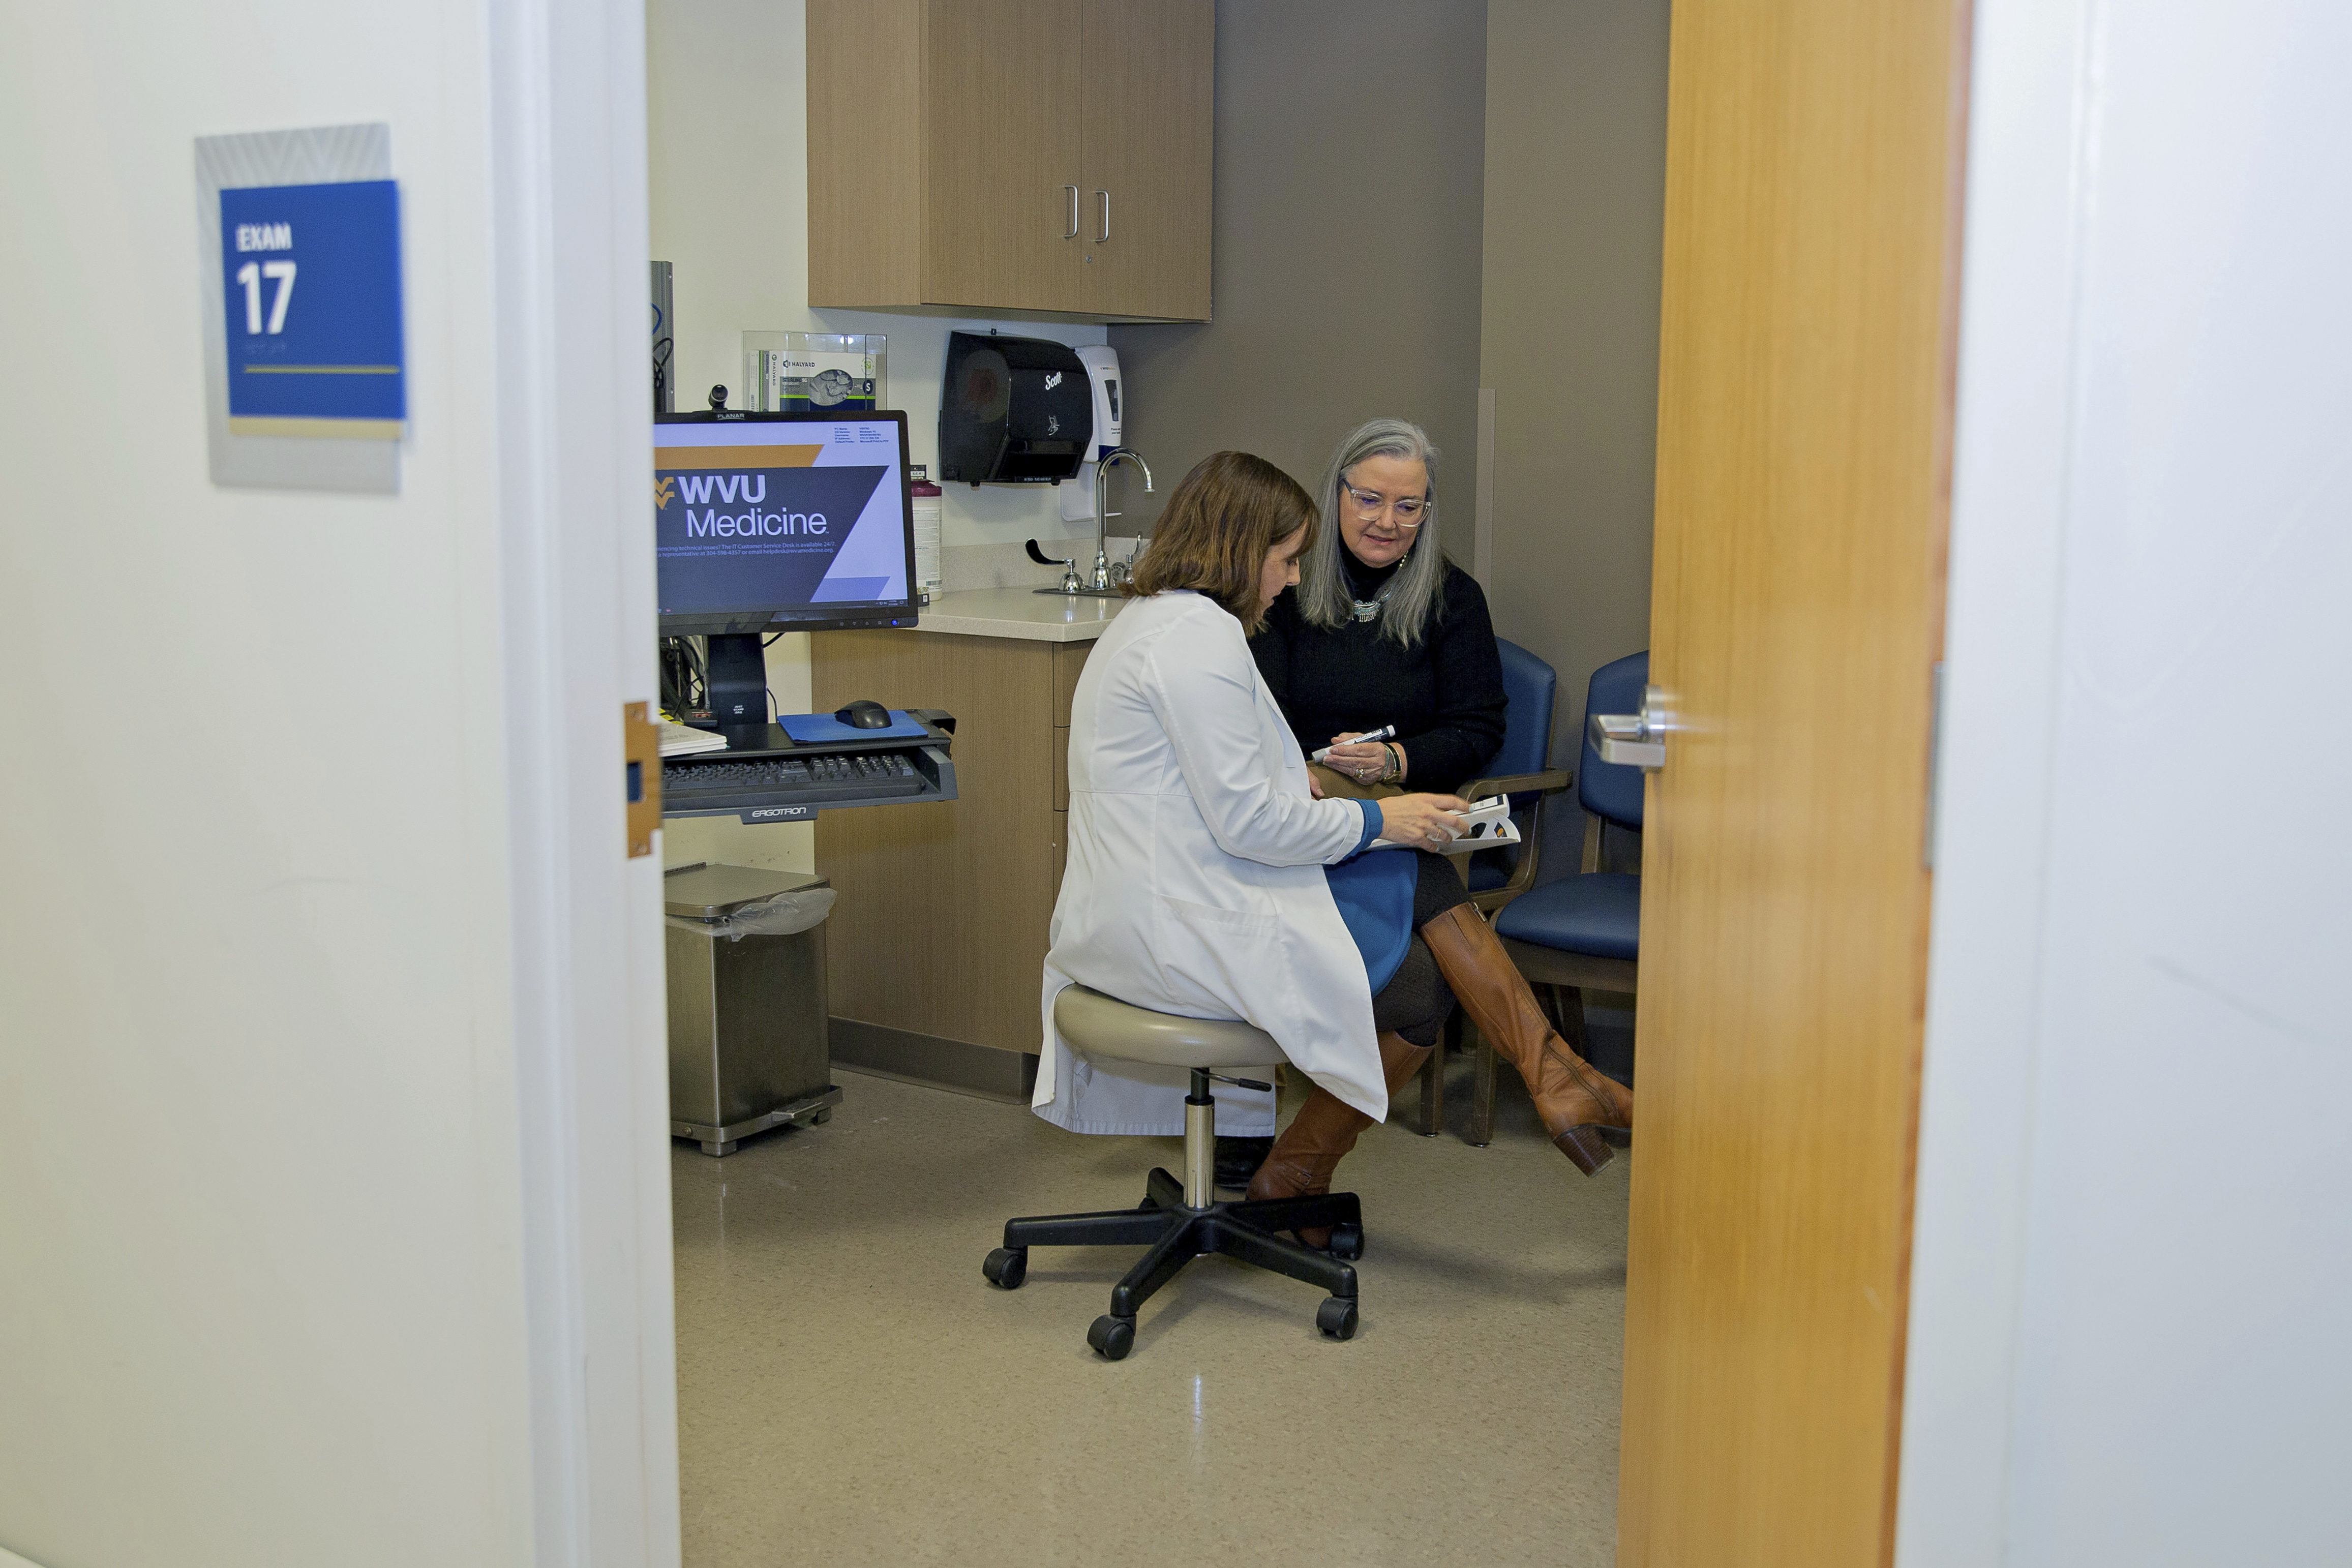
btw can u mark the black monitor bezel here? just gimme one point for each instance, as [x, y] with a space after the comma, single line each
[757, 618]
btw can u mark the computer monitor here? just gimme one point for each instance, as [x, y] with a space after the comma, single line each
[777, 523]
[774, 522]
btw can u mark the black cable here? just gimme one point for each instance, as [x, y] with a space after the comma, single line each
[684, 688]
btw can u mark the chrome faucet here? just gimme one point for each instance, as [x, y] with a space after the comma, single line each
[1102, 578]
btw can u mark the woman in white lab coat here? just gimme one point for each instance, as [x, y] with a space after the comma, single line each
[1197, 848]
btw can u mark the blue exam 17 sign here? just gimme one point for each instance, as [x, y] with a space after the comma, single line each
[312, 294]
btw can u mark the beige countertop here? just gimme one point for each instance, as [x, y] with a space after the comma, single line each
[1018, 613]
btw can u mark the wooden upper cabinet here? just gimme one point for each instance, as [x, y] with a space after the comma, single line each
[1000, 143]
[962, 153]
[1150, 81]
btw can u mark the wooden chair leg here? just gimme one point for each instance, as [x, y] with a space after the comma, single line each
[1568, 1017]
[1482, 1095]
[1432, 1113]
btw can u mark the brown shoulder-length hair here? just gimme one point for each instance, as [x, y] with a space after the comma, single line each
[1226, 514]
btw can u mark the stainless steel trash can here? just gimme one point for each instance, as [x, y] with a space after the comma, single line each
[748, 1047]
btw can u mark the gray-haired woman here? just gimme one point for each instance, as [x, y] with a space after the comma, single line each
[1383, 630]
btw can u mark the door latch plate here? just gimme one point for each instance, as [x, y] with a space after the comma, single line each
[641, 777]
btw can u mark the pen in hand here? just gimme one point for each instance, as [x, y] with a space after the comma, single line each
[1385, 732]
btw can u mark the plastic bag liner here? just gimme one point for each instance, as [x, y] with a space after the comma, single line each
[786, 914]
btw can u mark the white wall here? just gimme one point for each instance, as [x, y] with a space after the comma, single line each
[730, 190]
[259, 1212]
[333, 1136]
[2133, 1251]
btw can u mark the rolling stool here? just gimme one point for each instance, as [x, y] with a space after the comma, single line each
[1179, 1221]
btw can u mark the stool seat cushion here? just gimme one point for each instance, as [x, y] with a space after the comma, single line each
[1100, 1025]
[1598, 915]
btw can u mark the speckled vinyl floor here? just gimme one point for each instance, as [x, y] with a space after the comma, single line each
[851, 1390]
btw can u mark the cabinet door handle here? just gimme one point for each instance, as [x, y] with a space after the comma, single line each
[1074, 212]
[1105, 235]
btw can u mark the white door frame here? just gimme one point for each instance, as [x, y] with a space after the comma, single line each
[572, 230]
[568, 89]
[1996, 751]
[2041, 576]
[570, 155]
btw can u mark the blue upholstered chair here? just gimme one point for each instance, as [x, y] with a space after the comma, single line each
[1519, 770]
[1496, 877]
[1584, 931]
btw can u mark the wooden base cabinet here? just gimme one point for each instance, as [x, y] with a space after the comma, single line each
[941, 928]
[1047, 155]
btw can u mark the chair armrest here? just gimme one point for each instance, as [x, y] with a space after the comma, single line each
[1551, 781]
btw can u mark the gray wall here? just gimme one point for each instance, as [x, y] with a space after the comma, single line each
[1349, 136]
[1575, 217]
[1413, 201]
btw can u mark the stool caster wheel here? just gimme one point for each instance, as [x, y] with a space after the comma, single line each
[1111, 1337]
[1006, 1267]
[1337, 1318]
[1347, 1242]
[819, 1118]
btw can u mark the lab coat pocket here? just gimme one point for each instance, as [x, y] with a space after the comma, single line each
[1208, 918]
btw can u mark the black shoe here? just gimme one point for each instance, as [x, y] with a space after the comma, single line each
[1239, 1158]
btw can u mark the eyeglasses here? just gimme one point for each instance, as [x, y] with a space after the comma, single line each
[1404, 513]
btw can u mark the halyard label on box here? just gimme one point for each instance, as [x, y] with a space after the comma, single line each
[312, 297]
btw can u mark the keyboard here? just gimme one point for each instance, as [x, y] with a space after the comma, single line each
[699, 784]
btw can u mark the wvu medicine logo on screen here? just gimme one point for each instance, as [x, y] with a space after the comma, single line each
[711, 490]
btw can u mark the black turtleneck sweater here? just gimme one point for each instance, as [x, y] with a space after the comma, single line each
[1444, 695]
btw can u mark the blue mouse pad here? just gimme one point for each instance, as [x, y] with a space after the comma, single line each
[819, 729]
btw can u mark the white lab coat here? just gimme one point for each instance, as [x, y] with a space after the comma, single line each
[1194, 882]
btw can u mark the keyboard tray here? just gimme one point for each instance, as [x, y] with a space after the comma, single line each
[760, 783]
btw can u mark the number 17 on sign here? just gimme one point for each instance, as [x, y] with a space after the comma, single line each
[250, 275]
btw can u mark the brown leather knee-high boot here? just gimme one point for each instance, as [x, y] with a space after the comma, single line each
[1574, 1098]
[1320, 1135]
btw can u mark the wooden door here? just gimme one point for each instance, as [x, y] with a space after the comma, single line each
[1804, 422]
[1150, 96]
[1003, 148]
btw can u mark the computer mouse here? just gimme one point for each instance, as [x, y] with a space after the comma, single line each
[863, 715]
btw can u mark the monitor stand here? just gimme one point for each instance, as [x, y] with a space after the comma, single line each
[735, 685]
[735, 680]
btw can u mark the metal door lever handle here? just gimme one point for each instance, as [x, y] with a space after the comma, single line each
[1636, 740]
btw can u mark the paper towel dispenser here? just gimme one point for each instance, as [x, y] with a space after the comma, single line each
[1013, 411]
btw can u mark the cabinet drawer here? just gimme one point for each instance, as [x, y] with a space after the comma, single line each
[1069, 658]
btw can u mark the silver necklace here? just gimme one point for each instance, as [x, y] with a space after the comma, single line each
[1370, 609]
